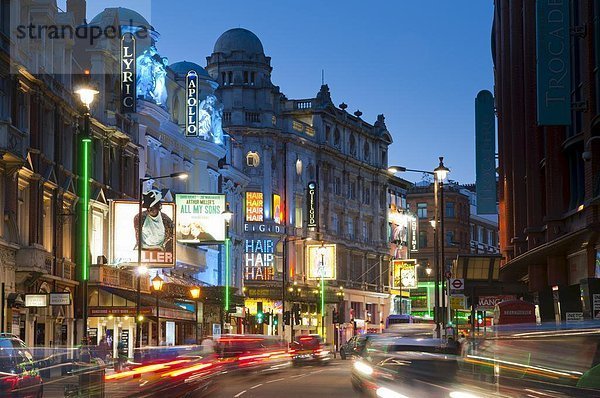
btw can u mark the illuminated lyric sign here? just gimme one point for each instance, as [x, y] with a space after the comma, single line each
[157, 234]
[404, 274]
[311, 203]
[191, 104]
[277, 209]
[321, 261]
[128, 73]
[255, 204]
[199, 218]
[259, 259]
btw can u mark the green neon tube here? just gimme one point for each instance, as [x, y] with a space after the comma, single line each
[85, 203]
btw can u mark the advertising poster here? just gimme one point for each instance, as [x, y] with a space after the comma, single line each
[255, 204]
[277, 209]
[158, 232]
[199, 218]
[321, 261]
[404, 274]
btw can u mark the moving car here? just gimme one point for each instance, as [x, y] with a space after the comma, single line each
[355, 346]
[19, 376]
[309, 349]
[251, 352]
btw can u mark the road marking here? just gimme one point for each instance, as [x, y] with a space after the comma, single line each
[239, 394]
[256, 386]
[274, 381]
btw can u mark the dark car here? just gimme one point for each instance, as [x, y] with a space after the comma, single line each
[19, 376]
[355, 346]
[309, 349]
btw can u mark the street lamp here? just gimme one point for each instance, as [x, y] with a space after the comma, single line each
[86, 96]
[439, 174]
[227, 216]
[195, 293]
[157, 285]
[182, 175]
[322, 251]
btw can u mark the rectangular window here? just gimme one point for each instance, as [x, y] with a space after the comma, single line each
[485, 236]
[48, 223]
[23, 215]
[449, 210]
[67, 231]
[252, 78]
[350, 227]
[97, 235]
[422, 239]
[449, 238]
[422, 210]
[338, 185]
[298, 213]
[335, 223]
[365, 233]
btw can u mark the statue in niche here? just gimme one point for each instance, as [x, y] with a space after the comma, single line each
[151, 76]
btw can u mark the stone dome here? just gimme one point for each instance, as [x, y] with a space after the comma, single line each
[124, 16]
[183, 67]
[238, 39]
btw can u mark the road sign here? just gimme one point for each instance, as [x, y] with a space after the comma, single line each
[596, 306]
[574, 316]
[458, 302]
[457, 284]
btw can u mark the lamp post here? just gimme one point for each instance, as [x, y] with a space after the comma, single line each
[227, 216]
[141, 270]
[86, 95]
[195, 293]
[157, 285]
[439, 174]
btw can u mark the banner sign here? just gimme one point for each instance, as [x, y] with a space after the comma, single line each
[158, 234]
[485, 153]
[321, 261]
[255, 207]
[191, 104]
[60, 298]
[487, 303]
[404, 274]
[278, 209]
[311, 203]
[199, 218]
[128, 74]
[414, 235]
[259, 259]
[36, 300]
[553, 62]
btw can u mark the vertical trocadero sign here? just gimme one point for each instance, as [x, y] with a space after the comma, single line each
[553, 62]
[311, 204]
[128, 73]
[191, 104]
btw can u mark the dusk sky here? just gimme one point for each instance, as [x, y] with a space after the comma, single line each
[421, 63]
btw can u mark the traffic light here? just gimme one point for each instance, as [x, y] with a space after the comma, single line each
[479, 318]
[275, 319]
[335, 317]
[286, 318]
[297, 316]
[260, 318]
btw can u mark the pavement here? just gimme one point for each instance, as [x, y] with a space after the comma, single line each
[332, 380]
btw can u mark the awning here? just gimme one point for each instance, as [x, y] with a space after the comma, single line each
[167, 309]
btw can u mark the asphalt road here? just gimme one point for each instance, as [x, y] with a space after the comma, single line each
[332, 380]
